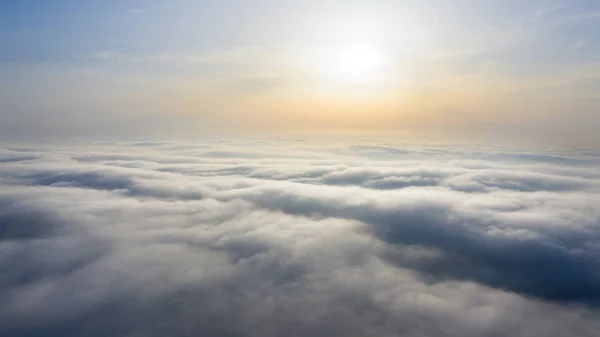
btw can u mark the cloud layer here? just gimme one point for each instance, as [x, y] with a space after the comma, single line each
[272, 238]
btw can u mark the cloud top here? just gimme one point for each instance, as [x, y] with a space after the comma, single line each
[297, 238]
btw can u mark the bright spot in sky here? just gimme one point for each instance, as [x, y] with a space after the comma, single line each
[358, 60]
[353, 63]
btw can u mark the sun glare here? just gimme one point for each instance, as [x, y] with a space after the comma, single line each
[354, 63]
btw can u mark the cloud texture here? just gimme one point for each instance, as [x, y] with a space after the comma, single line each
[273, 238]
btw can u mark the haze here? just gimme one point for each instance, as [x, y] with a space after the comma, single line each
[501, 69]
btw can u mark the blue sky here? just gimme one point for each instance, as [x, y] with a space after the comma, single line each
[258, 65]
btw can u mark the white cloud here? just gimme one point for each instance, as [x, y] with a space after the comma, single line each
[104, 54]
[297, 238]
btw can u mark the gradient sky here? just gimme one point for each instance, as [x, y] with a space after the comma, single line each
[508, 68]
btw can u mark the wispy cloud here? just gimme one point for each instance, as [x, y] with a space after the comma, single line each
[104, 54]
[595, 15]
[547, 11]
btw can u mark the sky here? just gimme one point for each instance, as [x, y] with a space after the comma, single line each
[434, 68]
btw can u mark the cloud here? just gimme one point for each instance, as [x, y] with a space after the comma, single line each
[104, 54]
[297, 238]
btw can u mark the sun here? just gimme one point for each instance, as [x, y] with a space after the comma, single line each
[357, 60]
[353, 63]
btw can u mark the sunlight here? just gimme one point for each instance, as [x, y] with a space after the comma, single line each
[358, 63]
